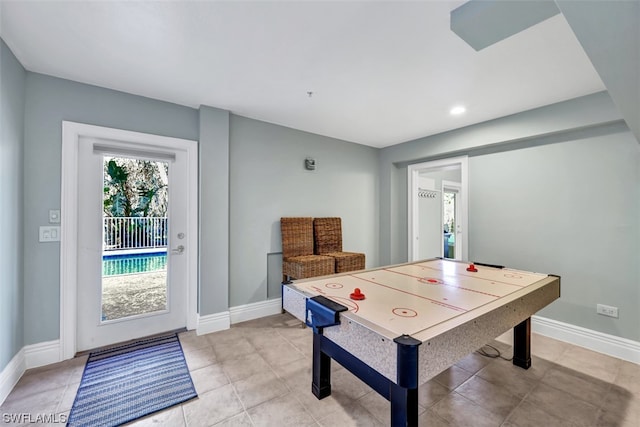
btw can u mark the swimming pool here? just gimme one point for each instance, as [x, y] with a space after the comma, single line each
[113, 265]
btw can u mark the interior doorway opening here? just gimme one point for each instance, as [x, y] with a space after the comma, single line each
[437, 209]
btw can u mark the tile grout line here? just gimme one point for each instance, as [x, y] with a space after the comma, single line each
[291, 391]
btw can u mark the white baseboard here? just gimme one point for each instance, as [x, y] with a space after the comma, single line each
[41, 354]
[11, 374]
[243, 313]
[213, 323]
[30, 356]
[610, 345]
[45, 353]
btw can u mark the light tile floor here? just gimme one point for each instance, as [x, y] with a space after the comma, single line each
[258, 373]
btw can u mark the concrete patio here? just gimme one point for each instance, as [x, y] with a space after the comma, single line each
[132, 294]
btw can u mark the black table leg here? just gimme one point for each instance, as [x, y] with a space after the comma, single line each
[321, 381]
[522, 344]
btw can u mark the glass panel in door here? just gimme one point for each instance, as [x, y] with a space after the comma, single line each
[135, 229]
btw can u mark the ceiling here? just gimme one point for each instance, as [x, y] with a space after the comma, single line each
[380, 73]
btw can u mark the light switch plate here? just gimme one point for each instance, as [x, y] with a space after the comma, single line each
[50, 233]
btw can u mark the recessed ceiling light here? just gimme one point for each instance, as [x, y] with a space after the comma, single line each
[457, 110]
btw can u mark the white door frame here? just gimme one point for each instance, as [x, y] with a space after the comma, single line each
[71, 133]
[413, 172]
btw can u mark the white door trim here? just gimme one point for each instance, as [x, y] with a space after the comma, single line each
[71, 133]
[413, 172]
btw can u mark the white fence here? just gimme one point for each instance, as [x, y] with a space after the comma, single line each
[134, 233]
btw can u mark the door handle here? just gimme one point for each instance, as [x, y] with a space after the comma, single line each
[178, 251]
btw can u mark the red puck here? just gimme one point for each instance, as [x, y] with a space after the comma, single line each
[357, 295]
[472, 268]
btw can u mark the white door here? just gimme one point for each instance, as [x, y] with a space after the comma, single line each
[429, 223]
[133, 301]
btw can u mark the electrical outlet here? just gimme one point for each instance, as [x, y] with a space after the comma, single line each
[607, 310]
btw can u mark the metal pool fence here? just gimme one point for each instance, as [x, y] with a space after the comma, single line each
[135, 233]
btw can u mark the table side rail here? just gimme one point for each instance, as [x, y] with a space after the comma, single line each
[442, 351]
[294, 302]
[440, 328]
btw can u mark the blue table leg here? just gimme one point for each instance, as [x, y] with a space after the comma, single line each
[404, 394]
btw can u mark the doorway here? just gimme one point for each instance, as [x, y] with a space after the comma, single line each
[437, 209]
[129, 236]
[451, 227]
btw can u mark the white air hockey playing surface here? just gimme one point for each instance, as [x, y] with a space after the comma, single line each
[410, 298]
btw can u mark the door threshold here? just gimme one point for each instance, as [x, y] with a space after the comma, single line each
[131, 341]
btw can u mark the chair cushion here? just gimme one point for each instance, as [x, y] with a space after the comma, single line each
[348, 261]
[304, 266]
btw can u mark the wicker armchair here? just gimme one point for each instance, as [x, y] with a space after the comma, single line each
[298, 259]
[328, 241]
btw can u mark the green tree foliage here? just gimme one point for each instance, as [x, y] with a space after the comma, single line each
[135, 188]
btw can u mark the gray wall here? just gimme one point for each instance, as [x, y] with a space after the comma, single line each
[48, 102]
[214, 211]
[553, 190]
[12, 82]
[578, 113]
[571, 209]
[268, 181]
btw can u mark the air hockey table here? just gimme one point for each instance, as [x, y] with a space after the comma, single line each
[398, 326]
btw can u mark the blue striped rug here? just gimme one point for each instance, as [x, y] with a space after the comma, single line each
[123, 383]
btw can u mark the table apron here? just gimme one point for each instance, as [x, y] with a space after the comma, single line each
[442, 351]
[370, 347]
